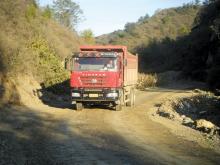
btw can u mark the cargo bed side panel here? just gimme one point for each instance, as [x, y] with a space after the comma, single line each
[130, 70]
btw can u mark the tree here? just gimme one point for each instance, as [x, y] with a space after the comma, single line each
[67, 12]
[143, 18]
[129, 27]
[88, 36]
[197, 2]
[207, 2]
[47, 12]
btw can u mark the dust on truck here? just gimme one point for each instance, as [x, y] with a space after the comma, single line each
[103, 74]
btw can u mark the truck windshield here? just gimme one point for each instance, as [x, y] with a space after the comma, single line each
[95, 63]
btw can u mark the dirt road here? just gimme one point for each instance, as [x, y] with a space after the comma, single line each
[49, 135]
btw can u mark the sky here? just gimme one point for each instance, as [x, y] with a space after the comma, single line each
[105, 16]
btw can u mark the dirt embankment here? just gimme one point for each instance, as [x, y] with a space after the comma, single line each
[25, 90]
[196, 111]
[8, 91]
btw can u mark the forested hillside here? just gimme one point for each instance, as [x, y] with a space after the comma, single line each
[170, 23]
[196, 54]
[201, 48]
[32, 42]
[185, 39]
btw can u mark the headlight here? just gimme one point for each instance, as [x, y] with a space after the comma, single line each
[75, 94]
[112, 95]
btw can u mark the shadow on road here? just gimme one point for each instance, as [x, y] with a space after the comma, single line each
[30, 137]
[24, 136]
[57, 96]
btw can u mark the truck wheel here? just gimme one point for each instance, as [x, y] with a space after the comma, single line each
[134, 98]
[118, 107]
[78, 106]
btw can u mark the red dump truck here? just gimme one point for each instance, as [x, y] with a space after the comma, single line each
[103, 75]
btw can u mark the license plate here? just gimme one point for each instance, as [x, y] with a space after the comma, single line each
[93, 95]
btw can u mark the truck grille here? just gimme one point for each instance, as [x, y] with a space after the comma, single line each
[93, 80]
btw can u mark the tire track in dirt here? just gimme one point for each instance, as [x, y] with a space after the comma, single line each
[101, 136]
[156, 142]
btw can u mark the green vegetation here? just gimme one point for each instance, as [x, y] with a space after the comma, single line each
[153, 37]
[88, 37]
[183, 39]
[47, 12]
[201, 53]
[168, 23]
[31, 42]
[67, 12]
[48, 66]
[196, 54]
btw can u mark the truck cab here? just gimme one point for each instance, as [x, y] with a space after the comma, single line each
[98, 76]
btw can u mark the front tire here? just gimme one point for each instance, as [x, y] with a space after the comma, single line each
[78, 106]
[118, 107]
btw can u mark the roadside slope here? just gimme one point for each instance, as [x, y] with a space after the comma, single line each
[32, 44]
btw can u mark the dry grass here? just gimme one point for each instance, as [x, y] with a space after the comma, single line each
[141, 33]
[8, 91]
[146, 80]
[31, 44]
[61, 39]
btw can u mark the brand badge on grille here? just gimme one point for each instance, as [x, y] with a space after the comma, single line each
[94, 81]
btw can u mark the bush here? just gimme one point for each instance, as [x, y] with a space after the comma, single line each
[31, 12]
[47, 13]
[146, 80]
[49, 68]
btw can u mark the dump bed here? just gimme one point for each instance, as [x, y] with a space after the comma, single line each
[130, 69]
[129, 61]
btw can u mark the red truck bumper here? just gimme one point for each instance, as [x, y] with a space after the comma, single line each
[95, 95]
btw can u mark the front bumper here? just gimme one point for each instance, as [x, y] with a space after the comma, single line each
[96, 95]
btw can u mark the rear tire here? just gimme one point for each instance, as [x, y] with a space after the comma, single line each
[118, 107]
[131, 98]
[134, 98]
